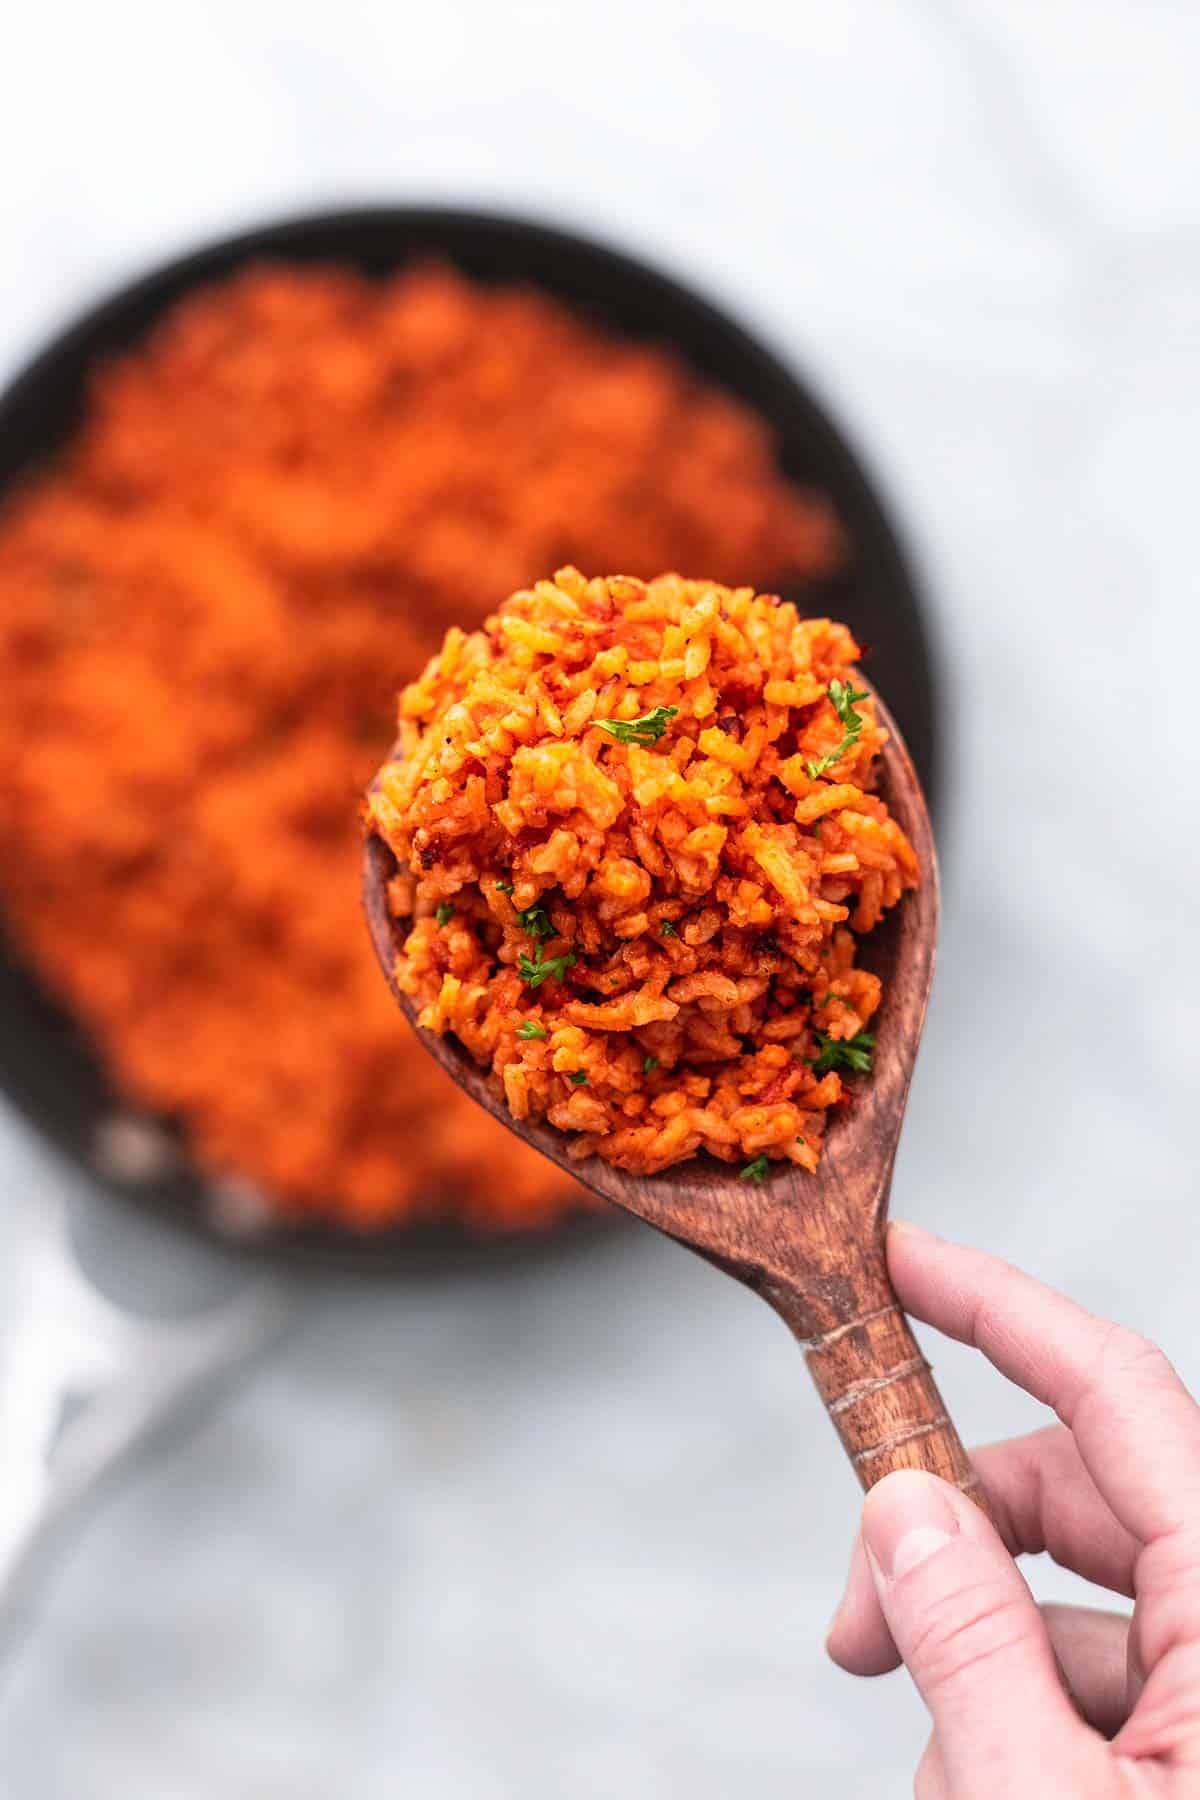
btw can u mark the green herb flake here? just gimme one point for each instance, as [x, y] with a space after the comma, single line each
[756, 1170]
[535, 921]
[842, 696]
[530, 1030]
[534, 971]
[646, 730]
[444, 913]
[667, 929]
[651, 1062]
[802, 1140]
[844, 1053]
[578, 1078]
[504, 887]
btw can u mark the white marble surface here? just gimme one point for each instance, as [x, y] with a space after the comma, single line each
[577, 1530]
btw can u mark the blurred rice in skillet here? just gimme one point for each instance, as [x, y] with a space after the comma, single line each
[272, 511]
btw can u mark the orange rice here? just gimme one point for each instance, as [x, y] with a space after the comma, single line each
[272, 509]
[635, 838]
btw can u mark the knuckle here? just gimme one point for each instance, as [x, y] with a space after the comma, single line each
[1167, 1617]
[1166, 1721]
[1125, 1359]
[1126, 1352]
[965, 1631]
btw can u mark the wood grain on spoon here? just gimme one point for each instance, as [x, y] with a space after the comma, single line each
[811, 1245]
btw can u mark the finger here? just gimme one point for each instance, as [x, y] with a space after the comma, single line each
[973, 1641]
[1093, 1653]
[1137, 1427]
[1043, 1499]
[1092, 1648]
[858, 1639]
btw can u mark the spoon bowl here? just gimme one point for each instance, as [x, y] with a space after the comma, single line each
[811, 1244]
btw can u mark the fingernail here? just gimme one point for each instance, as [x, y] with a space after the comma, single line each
[906, 1228]
[906, 1520]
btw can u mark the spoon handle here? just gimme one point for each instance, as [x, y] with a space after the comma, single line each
[880, 1393]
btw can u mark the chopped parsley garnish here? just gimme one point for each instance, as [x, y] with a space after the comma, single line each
[444, 913]
[531, 1030]
[843, 695]
[646, 730]
[534, 971]
[756, 1170]
[578, 1077]
[667, 929]
[844, 1053]
[651, 1062]
[504, 887]
[802, 1140]
[535, 921]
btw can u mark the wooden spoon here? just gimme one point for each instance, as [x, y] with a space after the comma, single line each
[811, 1245]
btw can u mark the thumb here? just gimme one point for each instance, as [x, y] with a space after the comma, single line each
[974, 1642]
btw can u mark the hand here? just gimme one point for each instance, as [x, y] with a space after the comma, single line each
[1113, 1492]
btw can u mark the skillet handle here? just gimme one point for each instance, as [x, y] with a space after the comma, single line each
[880, 1393]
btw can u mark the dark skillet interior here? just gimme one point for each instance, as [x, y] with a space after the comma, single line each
[45, 1068]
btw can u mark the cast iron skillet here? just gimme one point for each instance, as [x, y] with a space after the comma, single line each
[46, 1068]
